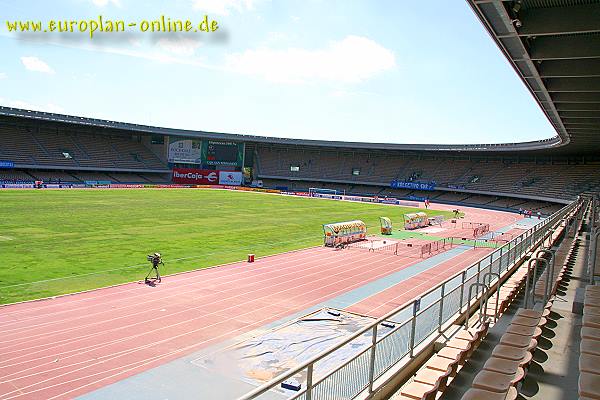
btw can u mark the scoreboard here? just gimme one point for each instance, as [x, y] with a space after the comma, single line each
[218, 152]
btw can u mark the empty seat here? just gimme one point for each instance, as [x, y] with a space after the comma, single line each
[591, 310]
[590, 333]
[591, 301]
[511, 339]
[492, 381]
[589, 363]
[589, 346]
[523, 312]
[440, 363]
[419, 391]
[466, 334]
[501, 365]
[519, 320]
[589, 385]
[532, 331]
[434, 377]
[591, 320]
[592, 298]
[464, 345]
[478, 394]
[592, 289]
[512, 353]
[452, 354]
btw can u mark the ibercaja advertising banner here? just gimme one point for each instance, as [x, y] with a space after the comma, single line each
[195, 176]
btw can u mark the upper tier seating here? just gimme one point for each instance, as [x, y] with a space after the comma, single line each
[527, 178]
[49, 147]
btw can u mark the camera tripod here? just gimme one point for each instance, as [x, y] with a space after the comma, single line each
[153, 268]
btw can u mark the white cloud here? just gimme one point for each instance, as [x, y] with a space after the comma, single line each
[49, 107]
[340, 93]
[223, 7]
[343, 93]
[158, 55]
[153, 56]
[353, 59]
[135, 42]
[276, 37]
[3, 75]
[103, 3]
[182, 46]
[37, 65]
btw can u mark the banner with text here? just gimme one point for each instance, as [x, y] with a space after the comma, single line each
[184, 150]
[230, 178]
[396, 184]
[195, 176]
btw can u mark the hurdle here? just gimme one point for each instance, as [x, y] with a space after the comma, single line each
[476, 243]
[391, 248]
[435, 247]
[499, 242]
[466, 225]
[481, 230]
[422, 251]
[502, 236]
[397, 247]
[369, 244]
[437, 220]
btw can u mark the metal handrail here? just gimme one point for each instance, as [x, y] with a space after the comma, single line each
[534, 281]
[528, 238]
[481, 300]
[497, 275]
[549, 289]
[594, 246]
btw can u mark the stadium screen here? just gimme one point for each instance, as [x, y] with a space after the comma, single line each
[227, 152]
[223, 153]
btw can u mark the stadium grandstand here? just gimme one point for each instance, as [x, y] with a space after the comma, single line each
[64, 149]
[531, 327]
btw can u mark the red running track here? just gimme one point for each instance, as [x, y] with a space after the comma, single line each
[496, 220]
[385, 301]
[64, 347]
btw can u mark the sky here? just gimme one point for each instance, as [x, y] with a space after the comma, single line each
[385, 71]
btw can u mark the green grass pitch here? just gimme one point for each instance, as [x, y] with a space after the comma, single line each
[61, 241]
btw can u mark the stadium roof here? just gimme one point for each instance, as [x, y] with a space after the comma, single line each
[554, 46]
[20, 114]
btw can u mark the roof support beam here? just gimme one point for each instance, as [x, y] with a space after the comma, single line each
[582, 121]
[592, 128]
[565, 47]
[582, 97]
[579, 114]
[569, 68]
[560, 20]
[585, 131]
[578, 107]
[573, 84]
